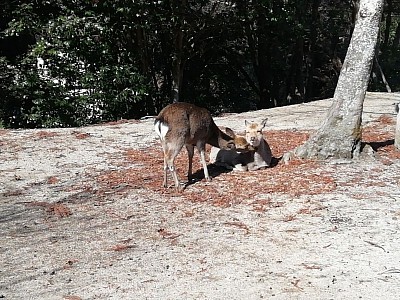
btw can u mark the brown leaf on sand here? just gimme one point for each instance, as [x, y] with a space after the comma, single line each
[52, 180]
[168, 235]
[71, 297]
[81, 135]
[45, 134]
[239, 225]
[120, 247]
[58, 209]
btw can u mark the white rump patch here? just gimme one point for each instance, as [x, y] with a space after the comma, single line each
[161, 129]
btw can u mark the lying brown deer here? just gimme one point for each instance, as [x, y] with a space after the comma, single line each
[236, 159]
[255, 152]
[254, 135]
[180, 124]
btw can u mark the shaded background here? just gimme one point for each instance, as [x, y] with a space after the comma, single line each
[72, 63]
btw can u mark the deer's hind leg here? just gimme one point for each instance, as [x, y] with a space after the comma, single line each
[171, 150]
[190, 151]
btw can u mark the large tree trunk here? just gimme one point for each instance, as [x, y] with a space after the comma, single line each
[340, 134]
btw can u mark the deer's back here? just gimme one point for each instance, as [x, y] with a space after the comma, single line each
[188, 120]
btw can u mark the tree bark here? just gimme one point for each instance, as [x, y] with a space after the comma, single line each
[341, 132]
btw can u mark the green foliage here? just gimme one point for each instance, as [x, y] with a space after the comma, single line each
[82, 62]
[86, 76]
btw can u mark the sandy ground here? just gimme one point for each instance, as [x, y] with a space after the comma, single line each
[68, 231]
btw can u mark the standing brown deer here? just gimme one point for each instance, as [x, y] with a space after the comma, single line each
[181, 124]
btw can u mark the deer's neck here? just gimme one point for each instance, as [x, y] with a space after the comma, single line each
[217, 137]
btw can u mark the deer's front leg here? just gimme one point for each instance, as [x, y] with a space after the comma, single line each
[204, 163]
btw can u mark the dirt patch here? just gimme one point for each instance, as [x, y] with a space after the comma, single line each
[83, 216]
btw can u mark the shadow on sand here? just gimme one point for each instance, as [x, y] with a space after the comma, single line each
[377, 145]
[215, 171]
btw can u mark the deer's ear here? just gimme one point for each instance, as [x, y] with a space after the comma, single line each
[246, 123]
[230, 132]
[264, 122]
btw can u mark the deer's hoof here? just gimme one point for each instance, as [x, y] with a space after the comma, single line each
[181, 187]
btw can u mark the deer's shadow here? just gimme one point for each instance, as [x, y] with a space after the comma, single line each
[377, 145]
[215, 171]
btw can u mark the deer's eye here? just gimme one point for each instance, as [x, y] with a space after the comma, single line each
[259, 131]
